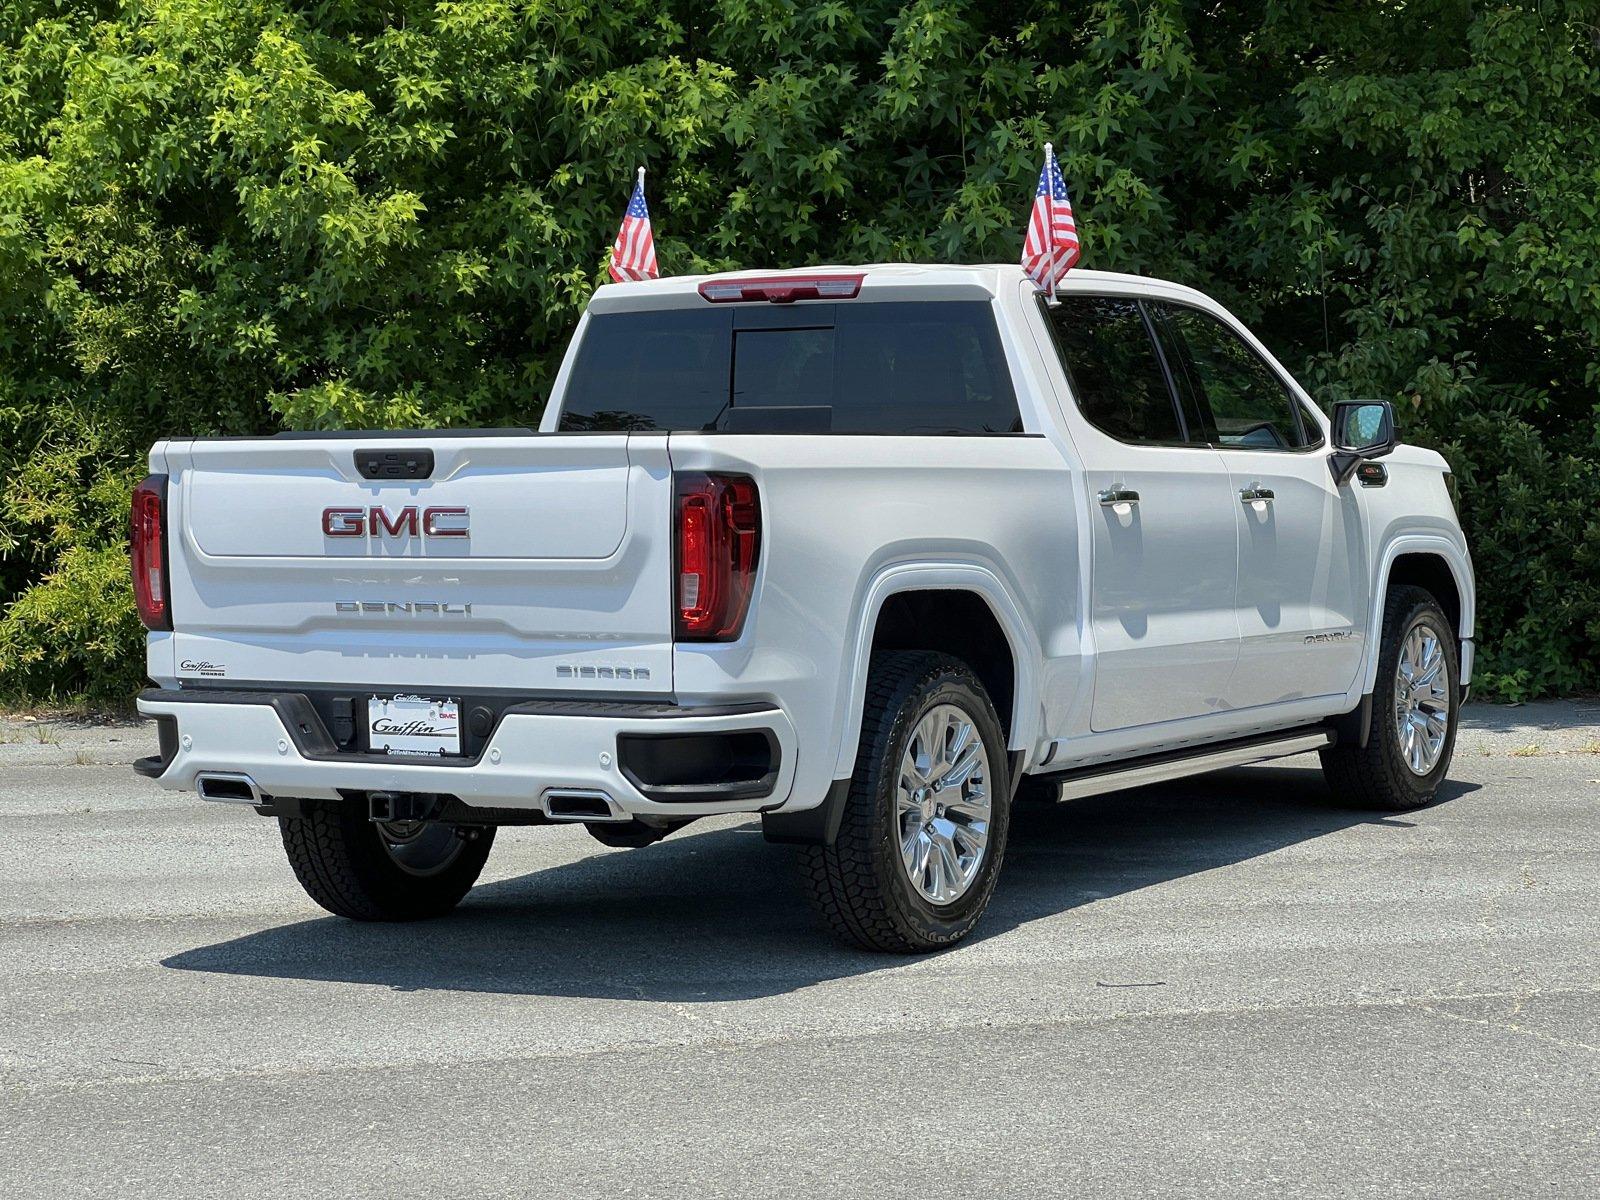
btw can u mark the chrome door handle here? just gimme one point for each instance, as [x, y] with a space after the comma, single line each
[1254, 493]
[1118, 495]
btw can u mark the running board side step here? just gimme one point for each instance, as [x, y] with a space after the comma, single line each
[1114, 777]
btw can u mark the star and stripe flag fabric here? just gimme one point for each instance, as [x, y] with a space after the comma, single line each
[1051, 247]
[633, 256]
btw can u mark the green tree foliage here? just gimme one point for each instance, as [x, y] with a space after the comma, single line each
[236, 217]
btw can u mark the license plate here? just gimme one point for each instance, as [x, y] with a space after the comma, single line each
[414, 725]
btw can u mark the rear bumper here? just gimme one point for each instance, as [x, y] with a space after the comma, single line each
[631, 754]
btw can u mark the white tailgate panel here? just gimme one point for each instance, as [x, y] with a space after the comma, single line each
[248, 503]
[562, 585]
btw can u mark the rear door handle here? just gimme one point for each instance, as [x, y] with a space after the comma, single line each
[1254, 493]
[1118, 495]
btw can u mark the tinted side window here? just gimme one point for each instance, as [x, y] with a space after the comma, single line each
[898, 367]
[1249, 405]
[1112, 364]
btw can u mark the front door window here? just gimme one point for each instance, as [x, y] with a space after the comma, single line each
[1250, 406]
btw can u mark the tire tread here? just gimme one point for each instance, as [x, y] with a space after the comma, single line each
[1372, 776]
[336, 857]
[845, 889]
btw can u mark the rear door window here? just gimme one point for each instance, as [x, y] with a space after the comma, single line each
[1114, 369]
[933, 367]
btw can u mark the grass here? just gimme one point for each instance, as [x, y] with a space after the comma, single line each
[1526, 751]
[42, 734]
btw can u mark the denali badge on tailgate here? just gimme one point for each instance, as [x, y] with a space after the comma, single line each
[407, 608]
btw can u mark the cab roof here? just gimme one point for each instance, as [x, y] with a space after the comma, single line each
[951, 281]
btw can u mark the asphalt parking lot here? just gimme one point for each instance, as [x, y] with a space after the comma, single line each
[1229, 985]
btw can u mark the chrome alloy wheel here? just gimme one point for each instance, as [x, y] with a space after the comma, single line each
[420, 847]
[943, 804]
[1421, 699]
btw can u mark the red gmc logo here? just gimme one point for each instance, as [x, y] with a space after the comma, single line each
[443, 522]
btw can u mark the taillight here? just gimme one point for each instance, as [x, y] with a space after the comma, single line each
[148, 547]
[719, 539]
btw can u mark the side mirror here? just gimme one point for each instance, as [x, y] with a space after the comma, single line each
[1362, 429]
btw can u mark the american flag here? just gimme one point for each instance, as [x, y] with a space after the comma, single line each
[634, 254]
[1051, 247]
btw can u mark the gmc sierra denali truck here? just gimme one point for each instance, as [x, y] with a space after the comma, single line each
[873, 553]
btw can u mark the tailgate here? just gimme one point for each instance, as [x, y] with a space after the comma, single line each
[532, 562]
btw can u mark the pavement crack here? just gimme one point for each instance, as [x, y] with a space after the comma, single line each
[733, 1041]
[1506, 1023]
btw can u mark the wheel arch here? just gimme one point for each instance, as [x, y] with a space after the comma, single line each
[885, 601]
[1438, 565]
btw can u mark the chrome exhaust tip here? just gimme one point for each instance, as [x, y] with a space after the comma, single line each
[581, 805]
[227, 788]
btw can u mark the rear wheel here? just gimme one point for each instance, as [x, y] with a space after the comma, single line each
[383, 870]
[1414, 707]
[924, 826]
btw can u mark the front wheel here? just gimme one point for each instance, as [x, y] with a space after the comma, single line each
[1414, 710]
[383, 870]
[924, 826]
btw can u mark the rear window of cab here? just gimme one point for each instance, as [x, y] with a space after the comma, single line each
[894, 367]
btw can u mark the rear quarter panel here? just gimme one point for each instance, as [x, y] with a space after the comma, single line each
[847, 521]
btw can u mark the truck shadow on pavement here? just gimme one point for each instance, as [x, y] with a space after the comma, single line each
[718, 916]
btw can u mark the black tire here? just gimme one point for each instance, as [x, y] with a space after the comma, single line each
[344, 862]
[1377, 775]
[859, 885]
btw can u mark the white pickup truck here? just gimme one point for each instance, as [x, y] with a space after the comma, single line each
[872, 552]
